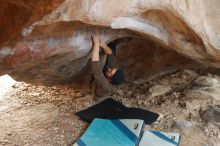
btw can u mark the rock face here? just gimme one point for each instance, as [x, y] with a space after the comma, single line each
[49, 41]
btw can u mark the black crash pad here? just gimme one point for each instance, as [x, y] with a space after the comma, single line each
[111, 109]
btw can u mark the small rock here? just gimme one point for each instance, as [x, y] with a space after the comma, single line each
[176, 102]
[214, 92]
[140, 102]
[193, 105]
[129, 92]
[35, 94]
[4, 142]
[182, 104]
[159, 90]
[175, 94]
[211, 114]
[25, 102]
[206, 130]
[24, 88]
[79, 94]
[203, 94]
[191, 73]
[9, 133]
[119, 92]
[206, 81]
[183, 124]
[16, 85]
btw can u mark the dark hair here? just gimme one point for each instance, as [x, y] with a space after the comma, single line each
[118, 77]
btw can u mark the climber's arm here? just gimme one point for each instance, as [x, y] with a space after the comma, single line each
[95, 51]
[106, 48]
[96, 69]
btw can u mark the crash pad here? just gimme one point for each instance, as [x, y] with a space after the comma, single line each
[111, 109]
[157, 138]
[102, 132]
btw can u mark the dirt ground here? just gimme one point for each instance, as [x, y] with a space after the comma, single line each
[188, 102]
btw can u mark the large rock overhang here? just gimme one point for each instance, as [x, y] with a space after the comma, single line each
[160, 36]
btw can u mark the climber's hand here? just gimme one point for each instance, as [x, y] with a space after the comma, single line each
[96, 39]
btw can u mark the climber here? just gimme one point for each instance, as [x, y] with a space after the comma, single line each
[106, 75]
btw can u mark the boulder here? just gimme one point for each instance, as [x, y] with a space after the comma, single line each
[48, 41]
[159, 90]
[184, 124]
[211, 114]
[206, 81]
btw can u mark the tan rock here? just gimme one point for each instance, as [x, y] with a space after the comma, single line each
[159, 90]
[49, 41]
[206, 81]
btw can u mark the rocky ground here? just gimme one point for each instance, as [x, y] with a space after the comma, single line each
[188, 102]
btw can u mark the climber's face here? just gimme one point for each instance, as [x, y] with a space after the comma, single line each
[110, 72]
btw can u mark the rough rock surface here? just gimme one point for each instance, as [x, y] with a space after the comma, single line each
[159, 90]
[206, 87]
[211, 114]
[206, 81]
[49, 41]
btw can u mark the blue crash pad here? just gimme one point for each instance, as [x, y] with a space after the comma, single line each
[157, 138]
[102, 132]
